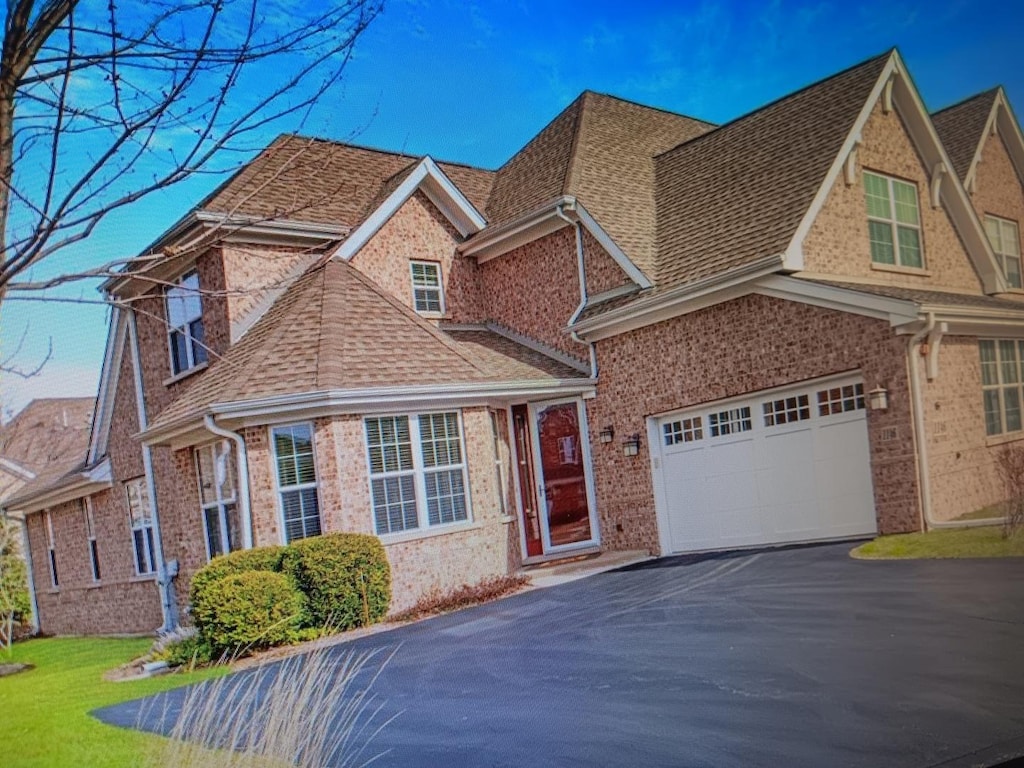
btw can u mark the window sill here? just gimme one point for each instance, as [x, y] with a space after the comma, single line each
[94, 585]
[401, 538]
[897, 268]
[142, 577]
[1012, 437]
[185, 374]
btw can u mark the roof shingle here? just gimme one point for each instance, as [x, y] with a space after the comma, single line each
[960, 128]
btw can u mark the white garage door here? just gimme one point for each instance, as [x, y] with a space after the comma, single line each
[783, 466]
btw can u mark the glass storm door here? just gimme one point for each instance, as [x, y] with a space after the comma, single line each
[563, 486]
[527, 484]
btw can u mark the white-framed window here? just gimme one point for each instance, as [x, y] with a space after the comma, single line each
[218, 498]
[297, 488]
[185, 323]
[90, 538]
[417, 471]
[1004, 237]
[51, 546]
[841, 399]
[427, 289]
[683, 431]
[1001, 382]
[894, 221]
[786, 410]
[140, 517]
[730, 422]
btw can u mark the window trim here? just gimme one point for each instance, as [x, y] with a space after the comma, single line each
[220, 504]
[1001, 256]
[419, 473]
[439, 288]
[1000, 386]
[51, 547]
[90, 537]
[278, 489]
[149, 541]
[895, 224]
[191, 358]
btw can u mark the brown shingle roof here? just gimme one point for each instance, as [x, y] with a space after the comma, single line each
[960, 128]
[48, 431]
[739, 192]
[325, 182]
[601, 150]
[334, 329]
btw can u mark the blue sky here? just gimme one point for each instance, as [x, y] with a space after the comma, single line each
[473, 82]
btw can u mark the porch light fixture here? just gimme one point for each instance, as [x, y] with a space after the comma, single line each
[608, 434]
[631, 445]
[878, 399]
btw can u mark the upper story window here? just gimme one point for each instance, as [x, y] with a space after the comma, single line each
[218, 499]
[894, 222]
[140, 516]
[427, 291]
[296, 480]
[417, 471]
[1004, 236]
[1001, 384]
[51, 546]
[185, 323]
[90, 535]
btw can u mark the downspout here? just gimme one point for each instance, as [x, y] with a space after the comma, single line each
[582, 270]
[165, 572]
[243, 477]
[27, 552]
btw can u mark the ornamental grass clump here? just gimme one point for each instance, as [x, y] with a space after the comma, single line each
[314, 710]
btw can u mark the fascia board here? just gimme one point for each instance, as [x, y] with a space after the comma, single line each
[112, 356]
[534, 224]
[283, 408]
[895, 311]
[437, 186]
[677, 301]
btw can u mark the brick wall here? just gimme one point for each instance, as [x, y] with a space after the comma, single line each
[534, 289]
[602, 272]
[420, 232]
[433, 563]
[121, 602]
[961, 458]
[837, 243]
[741, 346]
[998, 189]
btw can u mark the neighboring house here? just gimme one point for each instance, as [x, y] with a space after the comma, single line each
[642, 332]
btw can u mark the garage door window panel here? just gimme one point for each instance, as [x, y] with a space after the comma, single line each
[730, 422]
[836, 400]
[786, 410]
[683, 431]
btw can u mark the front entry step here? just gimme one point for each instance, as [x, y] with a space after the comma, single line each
[579, 566]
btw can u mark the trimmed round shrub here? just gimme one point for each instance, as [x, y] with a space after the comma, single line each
[345, 577]
[248, 611]
[242, 561]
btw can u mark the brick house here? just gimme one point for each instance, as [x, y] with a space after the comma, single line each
[643, 331]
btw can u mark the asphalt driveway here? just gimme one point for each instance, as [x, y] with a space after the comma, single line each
[798, 657]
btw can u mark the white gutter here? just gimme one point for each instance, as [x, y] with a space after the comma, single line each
[27, 552]
[242, 480]
[168, 608]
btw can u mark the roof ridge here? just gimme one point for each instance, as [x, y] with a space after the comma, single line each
[381, 150]
[652, 108]
[577, 129]
[785, 97]
[964, 101]
[413, 316]
[534, 136]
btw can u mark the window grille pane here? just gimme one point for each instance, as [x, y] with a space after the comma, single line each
[94, 559]
[730, 422]
[139, 537]
[993, 421]
[989, 374]
[215, 545]
[305, 468]
[1008, 361]
[1010, 238]
[195, 330]
[394, 504]
[310, 512]
[993, 232]
[1011, 405]
[786, 410]
[286, 474]
[882, 251]
[1013, 276]
[876, 191]
[841, 399]
[179, 357]
[389, 444]
[439, 435]
[910, 247]
[283, 445]
[207, 475]
[446, 496]
[905, 197]
[234, 525]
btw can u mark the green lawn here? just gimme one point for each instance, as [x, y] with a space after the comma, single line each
[950, 542]
[44, 717]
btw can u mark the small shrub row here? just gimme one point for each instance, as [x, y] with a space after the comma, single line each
[259, 598]
[463, 597]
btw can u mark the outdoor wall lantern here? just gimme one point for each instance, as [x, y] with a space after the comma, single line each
[608, 434]
[631, 445]
[878, 399]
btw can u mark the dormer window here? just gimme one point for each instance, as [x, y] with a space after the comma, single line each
[427, 291]
[185, 323]
[1004, 236]
[894, 223]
